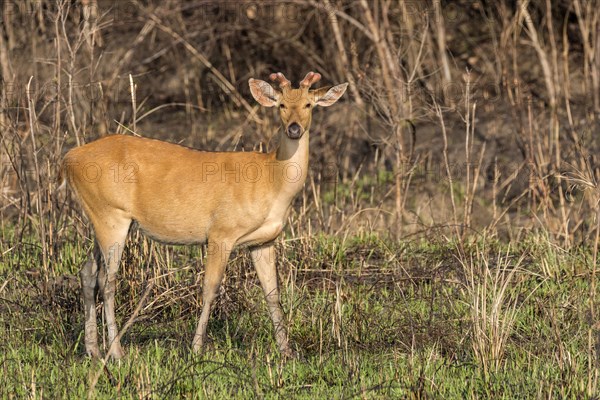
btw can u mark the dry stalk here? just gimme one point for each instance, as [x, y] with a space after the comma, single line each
[588, 17]
[132, 88]
[441, 42]
[594, 331]
[39, 204]
[469, 138]
[440, 115]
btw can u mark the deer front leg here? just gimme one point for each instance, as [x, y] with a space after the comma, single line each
[264, 261]
[89, 288]
[217, 256]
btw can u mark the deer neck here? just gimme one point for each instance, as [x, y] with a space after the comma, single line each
[292, 161]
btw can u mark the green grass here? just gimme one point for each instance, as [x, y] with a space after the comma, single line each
[371, 318]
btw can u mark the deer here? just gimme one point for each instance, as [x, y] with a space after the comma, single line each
[180, 195]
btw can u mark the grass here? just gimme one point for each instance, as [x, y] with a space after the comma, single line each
[371, 318]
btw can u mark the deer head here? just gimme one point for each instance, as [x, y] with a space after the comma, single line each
[295, 105]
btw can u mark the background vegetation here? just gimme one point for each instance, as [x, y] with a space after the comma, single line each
[445, 244]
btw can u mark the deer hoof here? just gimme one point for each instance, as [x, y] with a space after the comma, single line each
[116, 352]
[93, 352]
[288, 352]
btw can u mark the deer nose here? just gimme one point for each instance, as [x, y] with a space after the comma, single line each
[294, 131]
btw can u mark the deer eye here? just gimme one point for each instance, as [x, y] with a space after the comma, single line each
[307, 105]
[282, 106]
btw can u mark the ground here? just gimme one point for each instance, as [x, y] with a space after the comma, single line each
[369, 317]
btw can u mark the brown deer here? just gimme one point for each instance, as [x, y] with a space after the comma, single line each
[180, 195]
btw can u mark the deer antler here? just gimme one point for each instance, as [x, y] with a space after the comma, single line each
[310, 79]
[281, 79]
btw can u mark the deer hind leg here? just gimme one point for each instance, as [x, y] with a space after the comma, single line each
[111, 236]
[216, 260]
[89, 286]
[264, 261]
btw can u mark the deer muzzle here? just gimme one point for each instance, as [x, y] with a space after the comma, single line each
[294, 131]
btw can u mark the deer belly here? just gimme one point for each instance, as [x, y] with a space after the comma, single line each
[174, 232]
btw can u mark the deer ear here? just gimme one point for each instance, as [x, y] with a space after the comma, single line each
[325, 97]
[264, 93]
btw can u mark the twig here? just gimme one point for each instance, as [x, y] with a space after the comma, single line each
[40, 210]
[228, 86]
[117, 339]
